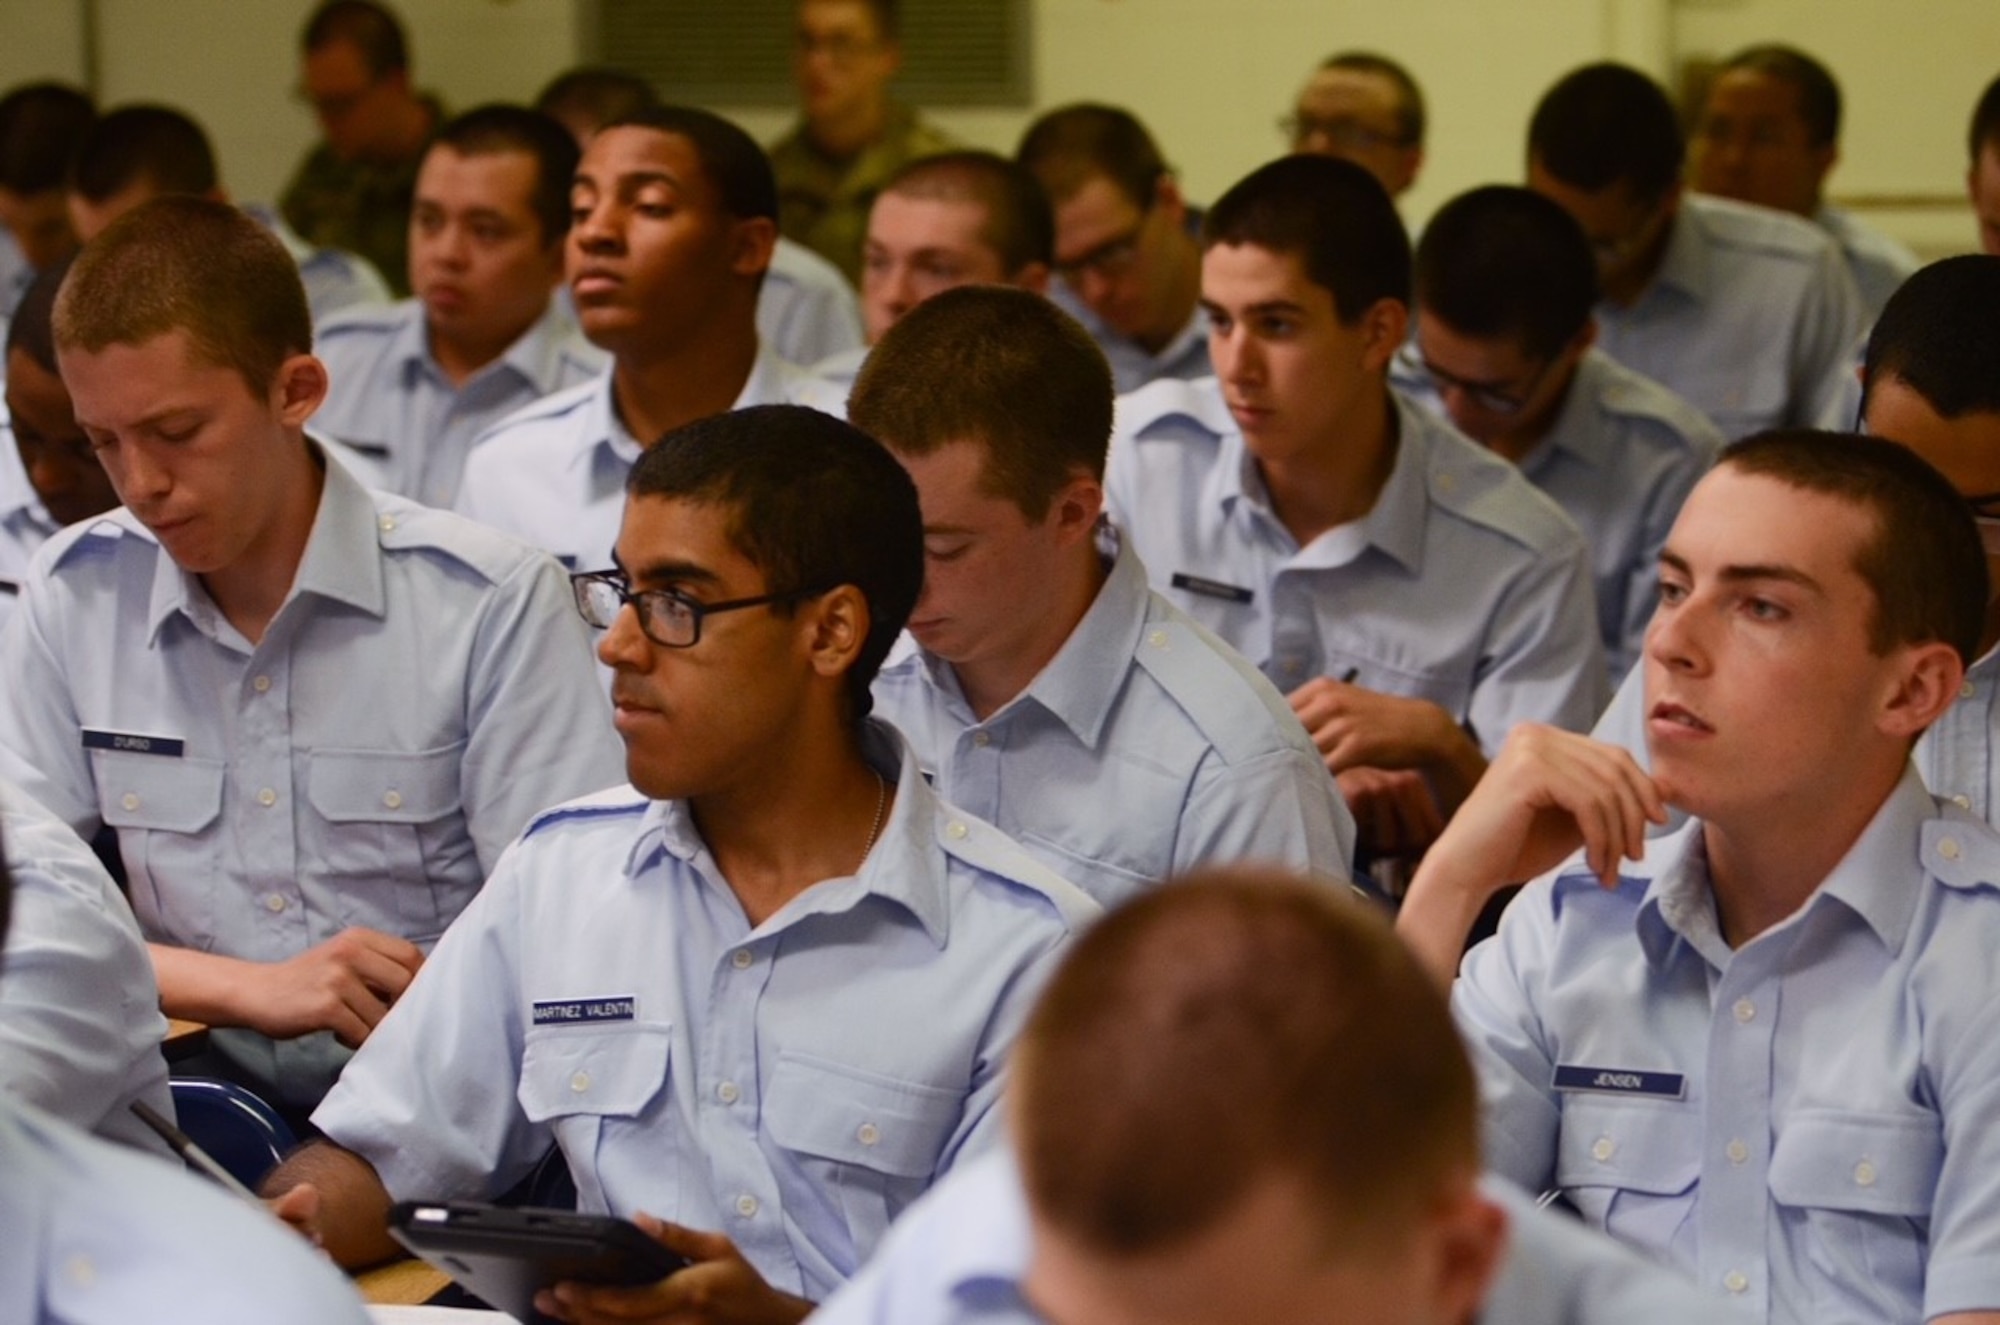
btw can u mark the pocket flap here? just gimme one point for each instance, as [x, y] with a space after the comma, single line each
[1873, 1163]
[1633, 1145]
[611, 1072]
[146, 791]
[841, 1113]
[384, 786]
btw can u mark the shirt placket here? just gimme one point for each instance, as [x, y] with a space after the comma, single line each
[263, 810]
[1734, 1203]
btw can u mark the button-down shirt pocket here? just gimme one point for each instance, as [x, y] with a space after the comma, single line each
[1630, 1166]
[162, 809]
[872, 1140]
[598, 1088]
[386, 814]
[1862, 1185]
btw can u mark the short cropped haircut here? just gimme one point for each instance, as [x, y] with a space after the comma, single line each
[888, 17]
[812, 502]
[731, 159]
[1000, 367]
[599, 94]
[1925, 562]
[370, 28]
[196, 266]
[1072, 145]
[1411, 118]
[41, 126]
[1608, 124]
[1020, 227]
[1985, 128]
[1331, 214]
[1227, 1029]
[154, 146]
[31, 329]
[1939, 334]
[1819, 94]
[1505, 261]
[496, 128]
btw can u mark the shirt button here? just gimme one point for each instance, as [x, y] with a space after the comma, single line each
[274, 903]
[1736, 1281]
[267, 798]
[129, 800]
[1445, 483]
[1158, 639]
[261, 684]
[81, 1270]
[956, 831]
[982, 739]
[746, 1205]
[387, 524]
[580, 1082]
[1864, 1174]
[867, 1134]
[728, 1093]
[393, 800]
[1965, 690]
[1962, 802]
[1604, 1149]
[1745, 1010]
[1948, 848]
[1737, 1152]
[741, 959]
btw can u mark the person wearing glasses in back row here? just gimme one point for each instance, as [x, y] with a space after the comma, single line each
[1364, 108]
[1505, 349]
[1127, 246]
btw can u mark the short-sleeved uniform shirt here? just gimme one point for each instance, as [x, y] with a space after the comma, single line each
[426, 688]
[1144, 748]
[1463, 586]
[1803, 1123]
[1621, 456]
[806, 310]
[794, 1084]
[1751, 318]
[1132, 365]
[389, 400]
[1877, 262]
[25, 523]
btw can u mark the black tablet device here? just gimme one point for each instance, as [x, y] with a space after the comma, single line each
[507, 1254]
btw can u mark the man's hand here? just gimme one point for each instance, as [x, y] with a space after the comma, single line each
[344, 985]
[1354, 727]
[1548, 793]
[720, 1288]
[1394, 811]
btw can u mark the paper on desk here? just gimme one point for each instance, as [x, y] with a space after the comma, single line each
[395, 1315]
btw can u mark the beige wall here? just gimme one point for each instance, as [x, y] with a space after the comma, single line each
[1210, 76]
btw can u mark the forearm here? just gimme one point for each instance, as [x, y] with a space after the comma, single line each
[200, 986]
[1455, 765]
[354, 1205]
[1436, 915]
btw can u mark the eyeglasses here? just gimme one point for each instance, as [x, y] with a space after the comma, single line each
[669, 618]
[840, 48]
[1341, 132]
[1491, 398]
[1110, 260]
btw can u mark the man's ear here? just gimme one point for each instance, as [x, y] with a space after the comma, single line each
[1471, 1242]
[1922, 689]
[1074, 509]
[755, 240]
[836, 630]
[298, 389]
[1387, 325]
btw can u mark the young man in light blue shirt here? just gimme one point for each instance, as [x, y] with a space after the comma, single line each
[1214, 1123]
[315, 715]
[768, 990]
[1413, 595]
[1747, 314]
[1504, 350]
[413, 384]
[1758, 1048]
[1044, 686]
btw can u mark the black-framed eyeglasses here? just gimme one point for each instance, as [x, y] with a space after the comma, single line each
[668, 617]
[1492, 399]
[1339, 131]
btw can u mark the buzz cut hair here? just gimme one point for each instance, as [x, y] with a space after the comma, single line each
[1018, 225]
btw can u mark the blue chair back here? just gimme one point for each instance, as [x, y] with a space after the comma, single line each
[237, 1128]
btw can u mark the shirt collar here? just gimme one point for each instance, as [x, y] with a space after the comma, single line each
[1685, 264]
[766, 385]
[342, 559]
[906, 865]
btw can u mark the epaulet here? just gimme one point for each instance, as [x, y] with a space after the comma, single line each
[1762, 230]
[361, 318]
[552, 406]
[94, 540]
[1194, 669]
[1481, 488]
[1961, 851]
[991, 852]
[611, 803]
[403, 525]
[1169, 407]
[1632, 395]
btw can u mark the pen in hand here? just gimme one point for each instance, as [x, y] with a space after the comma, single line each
[184, 1146]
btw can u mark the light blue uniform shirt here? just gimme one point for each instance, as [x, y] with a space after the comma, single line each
[80, 1023]
[553, 474]
[1144, 748]
[15, 278]
[806, 310]
[335, 279]
[961, 1255]
[25, 523]
[831, 381]
[390, 401]
[426, 688]
[1877, 262]
[1185, 357]
[794, 1085]
[1463, 586]
[1620, 458]
[92, 1234]
[1750, 318]
[1804, 1123]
